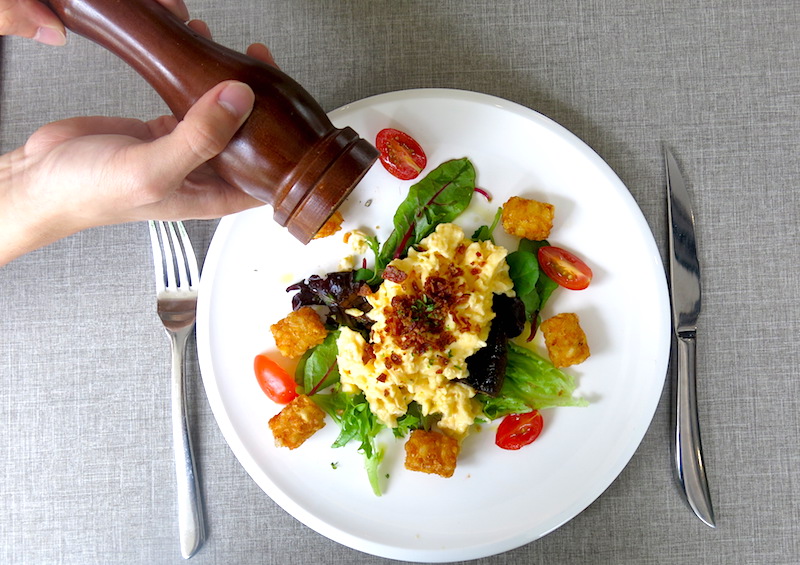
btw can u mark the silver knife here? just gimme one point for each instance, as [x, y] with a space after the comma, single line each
[684, 275]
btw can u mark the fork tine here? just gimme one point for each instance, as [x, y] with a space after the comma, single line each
[158, 257]
[169, 260]
[180, 257]
[191, 258]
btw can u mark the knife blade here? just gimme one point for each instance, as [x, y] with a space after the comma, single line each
[684, 275]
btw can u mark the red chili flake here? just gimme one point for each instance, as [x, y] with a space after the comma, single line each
[382, 378]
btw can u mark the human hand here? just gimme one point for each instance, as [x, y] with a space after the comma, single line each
[91, 171]
[33, 19]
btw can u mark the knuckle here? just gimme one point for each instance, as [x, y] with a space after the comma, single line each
[204, 141]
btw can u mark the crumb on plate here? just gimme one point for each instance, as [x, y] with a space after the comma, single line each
[330, 227]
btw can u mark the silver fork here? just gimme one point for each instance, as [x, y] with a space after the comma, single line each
[177, 278]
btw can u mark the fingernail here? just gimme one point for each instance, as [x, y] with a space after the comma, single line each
[50, 36]
[237, 98]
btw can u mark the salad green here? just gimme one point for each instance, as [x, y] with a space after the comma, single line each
[438, 198]
[529, 381]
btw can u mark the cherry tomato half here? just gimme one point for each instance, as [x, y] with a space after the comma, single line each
[401, 155]
[276, 383]
[564, 268]
[518, 430]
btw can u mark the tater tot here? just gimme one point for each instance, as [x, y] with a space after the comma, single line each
[431, 452]
[529, 219]
[298, 332]
[298, 421]
[565, 340]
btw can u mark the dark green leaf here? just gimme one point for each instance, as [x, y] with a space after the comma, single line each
[486, 233]
[545, 287]
[317, 369]
[523, 268]
[531, 284]
[438, 198]
[364, 275]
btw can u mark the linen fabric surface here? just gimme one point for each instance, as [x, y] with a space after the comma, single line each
[87, 471]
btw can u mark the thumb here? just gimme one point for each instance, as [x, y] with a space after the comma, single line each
[203, 133]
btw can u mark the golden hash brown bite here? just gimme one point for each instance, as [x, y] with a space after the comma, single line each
[298, 421]
[330, 227]
[565, 340]
[529, 219]
[298, 332]
[431, 452]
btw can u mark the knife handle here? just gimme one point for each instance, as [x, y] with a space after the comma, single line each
[689, 467]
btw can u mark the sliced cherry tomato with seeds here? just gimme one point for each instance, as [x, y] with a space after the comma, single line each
[400, 154]
[564, 268]
[276, 383]
[519, 430]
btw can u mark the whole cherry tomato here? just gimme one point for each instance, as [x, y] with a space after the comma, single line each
[400, 154]
[518, 430]
[564, 268]
[276, 383]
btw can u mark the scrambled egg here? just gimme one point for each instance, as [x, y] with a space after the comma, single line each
[432, 311]
[357, 241]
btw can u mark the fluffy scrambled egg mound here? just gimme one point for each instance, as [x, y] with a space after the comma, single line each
[432, 311]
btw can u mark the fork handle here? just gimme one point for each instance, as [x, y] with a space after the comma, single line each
[190, 509]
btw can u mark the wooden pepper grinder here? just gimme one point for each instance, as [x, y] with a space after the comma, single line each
[287, 153]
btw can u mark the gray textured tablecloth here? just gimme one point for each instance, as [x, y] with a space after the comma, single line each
[86, 473]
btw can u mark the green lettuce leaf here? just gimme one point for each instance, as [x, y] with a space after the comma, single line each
[413, 419]
[532, 383]
[356, 423]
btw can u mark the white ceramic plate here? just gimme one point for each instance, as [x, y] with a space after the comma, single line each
[497, 500]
